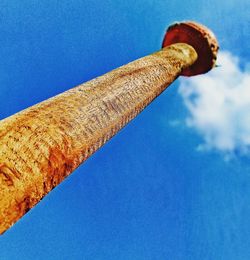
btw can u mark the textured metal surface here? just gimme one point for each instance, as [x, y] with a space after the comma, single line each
[200, 38]
[42, 145]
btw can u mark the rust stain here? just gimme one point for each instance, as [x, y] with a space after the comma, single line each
[9, 175]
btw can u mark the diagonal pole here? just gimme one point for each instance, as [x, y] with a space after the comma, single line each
[43, 144]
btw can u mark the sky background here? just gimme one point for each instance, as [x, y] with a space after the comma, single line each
[175, 182]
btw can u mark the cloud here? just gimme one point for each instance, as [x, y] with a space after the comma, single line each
[218, 105]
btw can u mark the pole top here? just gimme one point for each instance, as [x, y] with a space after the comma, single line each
[200, 38]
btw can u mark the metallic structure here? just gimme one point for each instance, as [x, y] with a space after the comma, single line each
[42, 145]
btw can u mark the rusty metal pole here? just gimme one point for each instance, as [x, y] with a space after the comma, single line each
[42, 145]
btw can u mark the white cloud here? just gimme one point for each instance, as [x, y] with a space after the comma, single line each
[218, 106]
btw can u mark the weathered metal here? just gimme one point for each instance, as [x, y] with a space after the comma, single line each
[42, 145]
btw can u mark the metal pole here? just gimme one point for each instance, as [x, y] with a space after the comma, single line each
[42, 145]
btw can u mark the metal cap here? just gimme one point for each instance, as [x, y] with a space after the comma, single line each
[200, 38]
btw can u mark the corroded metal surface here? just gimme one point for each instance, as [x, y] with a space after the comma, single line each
[200, 38]
[43, 144]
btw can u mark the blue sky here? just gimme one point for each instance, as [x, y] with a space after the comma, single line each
[165, 187]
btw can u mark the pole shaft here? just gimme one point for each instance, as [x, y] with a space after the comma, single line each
[43, 144]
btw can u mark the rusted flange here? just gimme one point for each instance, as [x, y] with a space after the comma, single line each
[200, 38]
